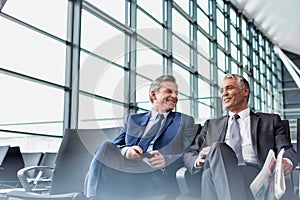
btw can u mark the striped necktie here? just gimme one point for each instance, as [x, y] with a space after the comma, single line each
[235, 139]
[148, 137]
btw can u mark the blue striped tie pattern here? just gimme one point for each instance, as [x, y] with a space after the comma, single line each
[148, 137]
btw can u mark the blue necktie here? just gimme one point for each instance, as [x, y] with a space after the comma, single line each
[148, 137]
[235, 140]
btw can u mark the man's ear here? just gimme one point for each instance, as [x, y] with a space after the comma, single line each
[247, 91]
[153, 95]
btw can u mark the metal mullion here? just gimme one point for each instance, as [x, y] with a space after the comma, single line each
[209, 81]
[215, 89]
[131, 80]
[35, 29]
[33, 79]
[102, 98]
[179, 38]
[29, 133]
[107, 18]
[207, 35]
[101, 119]
[71, 98]
[229, 68]
[151, 45]
[194, 62]
[103, 59]
[176, 61]
[198, 7]
[30, 123]
[182, 12]
[169, 46]
[149, 15]
[240, 33]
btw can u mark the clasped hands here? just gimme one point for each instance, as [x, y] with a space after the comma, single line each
[135, 153]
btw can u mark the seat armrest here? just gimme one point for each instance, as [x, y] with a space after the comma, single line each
[22, 176]
[34, 196]
[181, 180]
[189, 185]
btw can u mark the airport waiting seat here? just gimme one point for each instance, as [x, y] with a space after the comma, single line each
[11, 161]
[48, 159]
[72, 163]
[189, 185]
[31, 159]
[33, 177]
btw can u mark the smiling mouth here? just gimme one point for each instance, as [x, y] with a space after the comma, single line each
[171, 101]
[226, 99]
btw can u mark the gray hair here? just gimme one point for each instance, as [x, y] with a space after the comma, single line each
[242, 82]
[155, 85]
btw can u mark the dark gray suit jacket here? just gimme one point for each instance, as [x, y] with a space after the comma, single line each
[267, 133]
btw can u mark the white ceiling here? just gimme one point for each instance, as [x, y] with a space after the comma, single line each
[279, 20]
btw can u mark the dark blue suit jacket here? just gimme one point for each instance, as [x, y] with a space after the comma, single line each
[172, 140]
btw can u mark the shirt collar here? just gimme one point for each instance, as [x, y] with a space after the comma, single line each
[155, 113]
[243, 114]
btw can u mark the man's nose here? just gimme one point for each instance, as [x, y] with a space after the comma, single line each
[174, 94]
[224, 95]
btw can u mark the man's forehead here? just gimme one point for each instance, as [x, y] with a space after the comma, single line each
[230, 81]
[168, 84]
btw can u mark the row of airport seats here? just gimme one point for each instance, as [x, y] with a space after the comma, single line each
[12, 160]
[76, 152]
[72, 163]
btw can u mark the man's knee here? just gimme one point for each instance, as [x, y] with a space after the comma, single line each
[221, 148]
[106, 146]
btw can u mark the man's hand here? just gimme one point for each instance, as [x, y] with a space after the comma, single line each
[133, 153]
[202, 155]
[158, 160]
[287, 166]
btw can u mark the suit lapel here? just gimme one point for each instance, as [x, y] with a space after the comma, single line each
[224, 122]
[137, 126]
[165, 125]
[254, 120]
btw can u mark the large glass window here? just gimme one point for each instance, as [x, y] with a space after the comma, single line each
[97, 65]
[32, 73]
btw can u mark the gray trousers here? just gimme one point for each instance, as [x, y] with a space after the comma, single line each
[223, 179]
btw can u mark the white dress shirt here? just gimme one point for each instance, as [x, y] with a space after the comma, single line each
[245, 131]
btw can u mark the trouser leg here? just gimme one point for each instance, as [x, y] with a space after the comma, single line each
[111, 174]
[94, 175]
[208, 191]
[222, 175]
[249, 173]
